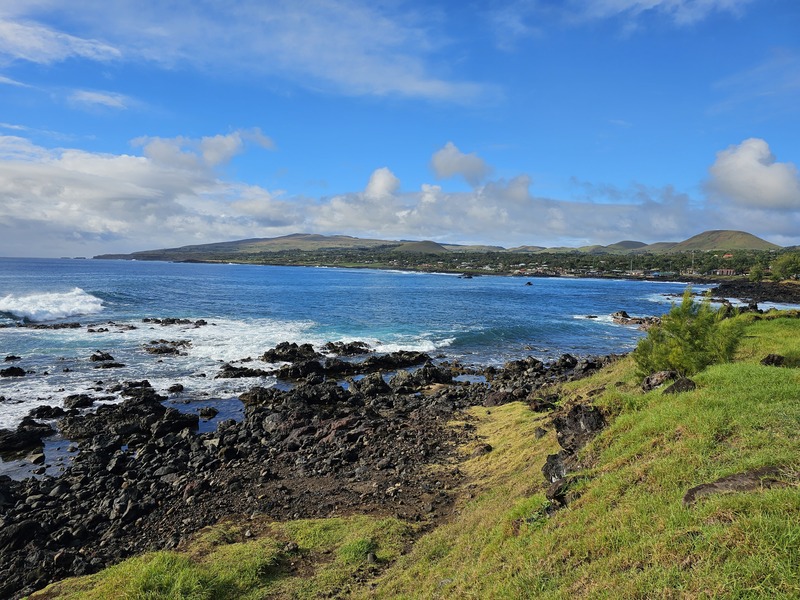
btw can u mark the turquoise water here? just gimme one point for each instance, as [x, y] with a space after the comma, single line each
[249, 309]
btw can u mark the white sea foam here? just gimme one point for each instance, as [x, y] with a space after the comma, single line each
[605, 319]
[51, 306]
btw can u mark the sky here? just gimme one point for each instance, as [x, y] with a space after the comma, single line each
[130, 125]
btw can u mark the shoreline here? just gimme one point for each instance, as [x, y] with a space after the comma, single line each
[146, 479]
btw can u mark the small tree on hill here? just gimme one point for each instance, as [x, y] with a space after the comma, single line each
[692, 336]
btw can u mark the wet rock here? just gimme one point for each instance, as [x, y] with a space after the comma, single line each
[27, 436]
[47, 412]
[684, 384]
[402, 359]
[347, 348]
[372, 385]
[12, 357]
[644, 323]
[290, 352]
[12, 372]
[175, 388]
[300, 370]
[78, 401]
[208, 412]
[101, 357]
[109, 365]
[167, 347]
[230, 372]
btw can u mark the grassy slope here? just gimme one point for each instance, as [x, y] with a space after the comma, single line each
[627, 536]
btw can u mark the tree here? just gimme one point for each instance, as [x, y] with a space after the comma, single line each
[756, 273]
[692, 336]
[786, 266]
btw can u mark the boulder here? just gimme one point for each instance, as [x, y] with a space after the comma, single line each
[12, 372]
[755, 479]
[290, 352]
[347, 348]
[578, 426]
[78, 401]
[684, 384]
[658, 379]
[27, 436]
[230, 372]
[773, 360]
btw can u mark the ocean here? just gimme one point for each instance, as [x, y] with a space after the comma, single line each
[250, 309]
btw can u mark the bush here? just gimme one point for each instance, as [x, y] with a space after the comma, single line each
[691, 336]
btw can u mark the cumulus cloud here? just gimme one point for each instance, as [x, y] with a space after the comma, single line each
[450, 161]
[350, 47]
[65, 201]
[187, 153]
[382, 183]
[749, 175]
[72, 201]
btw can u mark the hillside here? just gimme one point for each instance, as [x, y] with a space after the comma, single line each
[426, 247]
[250, 249]
[723, 240]
[626, 524]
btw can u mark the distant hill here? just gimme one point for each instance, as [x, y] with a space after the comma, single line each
[426, 247]
[626, 245]
[717, 240]
[527, 249]
[723, 239]
[294, 242]
[658, 247]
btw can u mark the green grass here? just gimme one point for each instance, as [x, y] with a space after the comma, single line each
[298, 559]
[628, 535]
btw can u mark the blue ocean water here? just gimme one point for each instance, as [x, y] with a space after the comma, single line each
[249, 309]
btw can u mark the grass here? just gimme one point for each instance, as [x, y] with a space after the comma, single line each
[628, 534]
[251, 560]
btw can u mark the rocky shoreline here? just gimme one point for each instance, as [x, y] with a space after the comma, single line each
[361, 432]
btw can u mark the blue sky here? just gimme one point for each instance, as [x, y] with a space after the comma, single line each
[135, 124]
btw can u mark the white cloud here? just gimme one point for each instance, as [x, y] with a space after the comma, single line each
[76, 202]
[38, 43]
[8, 81]
[382, 184]
[350, 47]
[749, 176]
[682, 12]
[87, 98]
[450, 161]
[187, 153]
[71, 202]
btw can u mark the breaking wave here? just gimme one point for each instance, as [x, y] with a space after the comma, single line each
[51, 306]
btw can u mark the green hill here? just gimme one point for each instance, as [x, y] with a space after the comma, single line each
[723, 240]
[246, 250]
[626, 245]
[426, 247]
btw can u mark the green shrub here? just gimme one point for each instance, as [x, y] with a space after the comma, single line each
[691, 336]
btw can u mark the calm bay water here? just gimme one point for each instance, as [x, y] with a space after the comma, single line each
[249, 309]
